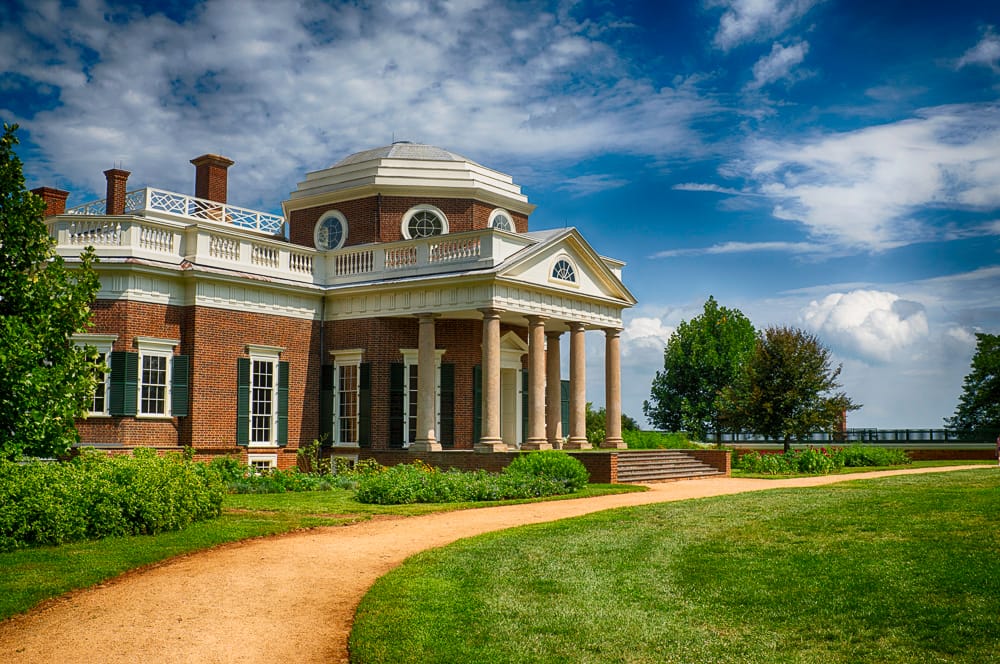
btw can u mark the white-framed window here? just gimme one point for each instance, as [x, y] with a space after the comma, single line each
[330, 231]
[347, 399]
[262, 463]
[424, 221]
[264, 394]
[411, 395]
[154, 376]
[102, 369]
[502, 220]
[564, 270]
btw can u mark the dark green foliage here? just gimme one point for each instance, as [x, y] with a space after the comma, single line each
[596, 420]
[819, 461]
[787, 388]
[94, 496]
[978, 408]
[657, 440]
[702, 357]
[45, 381]
[533, 475]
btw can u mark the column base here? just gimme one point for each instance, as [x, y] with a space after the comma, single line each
[614, 444]
[425, 446]
[487, 446]
[577, 444]
[536, 444]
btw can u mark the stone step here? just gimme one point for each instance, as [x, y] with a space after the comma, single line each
[659, 476]
[657, 465]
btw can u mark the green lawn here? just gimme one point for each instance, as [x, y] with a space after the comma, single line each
[33, 575]
[900, 569]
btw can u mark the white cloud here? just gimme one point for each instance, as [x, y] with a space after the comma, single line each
[589, 184]
[283, 90]
[869, 324]
[862, 189]
[645, 333]
[746, 247]
[986, 53]
[713, 188]
[747, 21]
[778, 64]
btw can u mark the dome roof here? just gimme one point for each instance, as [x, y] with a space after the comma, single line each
[403, 150]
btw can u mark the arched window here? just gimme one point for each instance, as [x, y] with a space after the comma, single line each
[563, 271]
[424, 221]
[500, 219]
[330, 231]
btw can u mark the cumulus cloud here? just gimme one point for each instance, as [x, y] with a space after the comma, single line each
[986, 53]
[870, 324]
[861, 189]
[284, 89]
[779, 64]
[748, 21]
[645, 333]
[746, 247]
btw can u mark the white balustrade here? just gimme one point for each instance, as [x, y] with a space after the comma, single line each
[156, 239]
[302, 263]
[224, 248]
[354, 262]
[398, 258]
[94, 233]
[264, 256]
[455, 249]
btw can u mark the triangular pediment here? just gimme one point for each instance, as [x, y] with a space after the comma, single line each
[564, 261]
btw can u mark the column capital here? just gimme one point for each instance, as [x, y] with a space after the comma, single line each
[553, 334]
[490, 312]
[534, 319]
[612, 332]
[577, 326]
[428, 315]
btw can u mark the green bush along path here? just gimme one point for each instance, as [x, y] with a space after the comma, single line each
[295, 596]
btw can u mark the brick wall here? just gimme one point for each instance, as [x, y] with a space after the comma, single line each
[721, 460]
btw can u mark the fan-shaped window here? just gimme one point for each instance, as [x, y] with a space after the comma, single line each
[330, 231]
[563, 271]
[424, 221]
[500, 219]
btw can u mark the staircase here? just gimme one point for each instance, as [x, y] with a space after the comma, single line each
[661, 466]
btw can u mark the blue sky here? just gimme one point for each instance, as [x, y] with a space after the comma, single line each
[830, 165]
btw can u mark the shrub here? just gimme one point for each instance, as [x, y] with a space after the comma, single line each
[529, 476]
[857, 456]
[657, 440]
[551, 464]
[819, 461]
[96, 496]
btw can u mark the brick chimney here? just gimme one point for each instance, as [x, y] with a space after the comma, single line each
[55, 200]
[210, 177]
[116, 190]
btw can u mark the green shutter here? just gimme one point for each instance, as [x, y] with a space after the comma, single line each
[524, 404]
[446, 436]
[564, 392]
[180, 392]
[396, 397]
[326, 397]
[243, 401]
[124, 383]
[282, 404]
[365, 405]
[477, 403]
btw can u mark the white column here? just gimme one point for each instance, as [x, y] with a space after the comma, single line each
[577, 389]
[426, 388]
[612, 390]
[490, 440]
[535, 436]
[553, 390]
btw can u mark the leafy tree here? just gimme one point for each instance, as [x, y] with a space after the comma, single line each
[787, 389]
[596, 420]
[978, 408]
[702, 357]
[45, 381]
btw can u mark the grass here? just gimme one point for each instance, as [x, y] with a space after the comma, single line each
[900, 569]
[31, 576]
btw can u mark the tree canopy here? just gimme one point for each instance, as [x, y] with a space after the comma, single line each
[787, 389]
[978, 410]
[45, 380]
[702, 357]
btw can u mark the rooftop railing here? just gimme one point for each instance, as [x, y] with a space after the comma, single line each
[141, 201]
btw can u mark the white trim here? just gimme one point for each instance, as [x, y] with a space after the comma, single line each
[330, 214]
[342, 359]
[272, 459]
[558, 258]
[347, 355]
[265, 351]
[95, 340]
[155, 344]
[103, 344]
[423, 207]
[410, 356]
[500, 212]
[154, 348]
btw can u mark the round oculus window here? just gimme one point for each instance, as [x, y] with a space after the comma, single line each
[502, 222]
[331, 231]
[424, 223]
[563, 270]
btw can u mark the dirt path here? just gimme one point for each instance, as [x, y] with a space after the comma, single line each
[290, 597]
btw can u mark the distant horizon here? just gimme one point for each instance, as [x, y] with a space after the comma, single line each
[832, 165]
